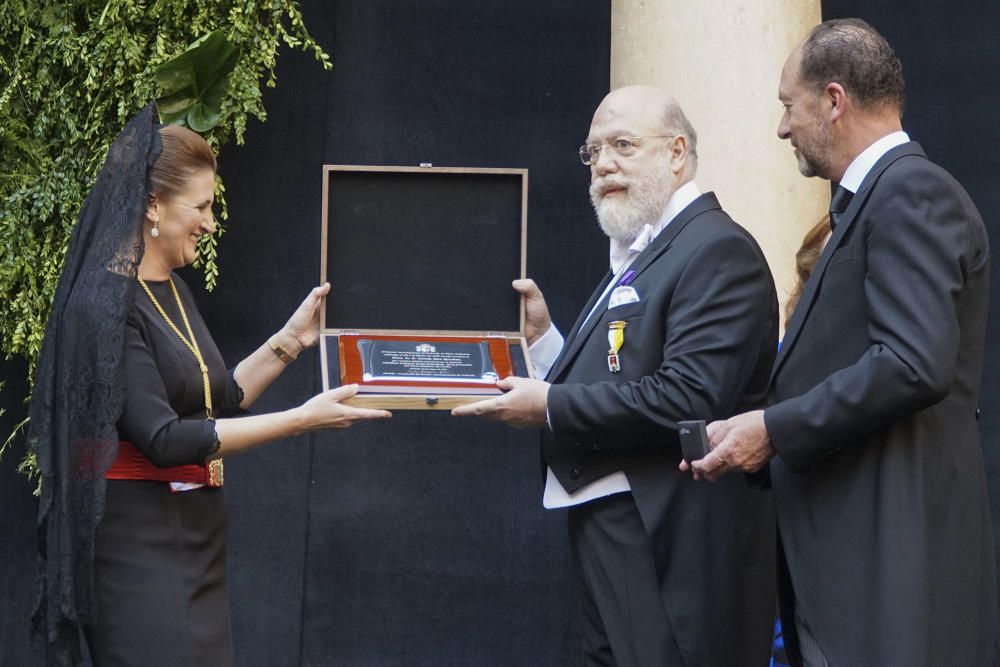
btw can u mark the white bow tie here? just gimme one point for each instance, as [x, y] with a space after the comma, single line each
[622, 253]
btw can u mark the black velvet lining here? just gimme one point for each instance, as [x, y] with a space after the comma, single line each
[412, 250]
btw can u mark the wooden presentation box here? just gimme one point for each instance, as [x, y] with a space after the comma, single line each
[421, 313]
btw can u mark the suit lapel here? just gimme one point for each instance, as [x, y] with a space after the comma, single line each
[579, 321]
[657, 247]
[847, 219]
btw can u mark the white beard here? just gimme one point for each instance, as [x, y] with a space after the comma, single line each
[643, 202]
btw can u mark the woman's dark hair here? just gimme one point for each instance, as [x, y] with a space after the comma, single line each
[184, 153]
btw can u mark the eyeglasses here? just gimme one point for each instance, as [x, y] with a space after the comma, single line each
[623, 146]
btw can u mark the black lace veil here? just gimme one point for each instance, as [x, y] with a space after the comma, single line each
[79, 386]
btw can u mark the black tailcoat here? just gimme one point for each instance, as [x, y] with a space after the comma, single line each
[699, 344]
[879, 484]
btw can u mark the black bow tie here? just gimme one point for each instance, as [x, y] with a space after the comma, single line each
[838, 204]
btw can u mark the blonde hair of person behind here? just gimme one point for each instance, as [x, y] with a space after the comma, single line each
[805, 260]
[184, 153]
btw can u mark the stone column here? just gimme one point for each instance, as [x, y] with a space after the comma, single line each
[721, 60]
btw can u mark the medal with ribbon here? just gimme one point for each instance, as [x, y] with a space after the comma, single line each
[616, 338]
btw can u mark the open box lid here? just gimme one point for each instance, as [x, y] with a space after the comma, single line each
[423, 249]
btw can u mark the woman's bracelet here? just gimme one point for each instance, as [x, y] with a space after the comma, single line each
[279, 351]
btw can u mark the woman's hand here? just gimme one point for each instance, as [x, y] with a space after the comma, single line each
[303, 326]
[240, 434]
[256, 373]
[325, 410]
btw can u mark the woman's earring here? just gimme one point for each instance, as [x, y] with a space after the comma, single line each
[155, 231]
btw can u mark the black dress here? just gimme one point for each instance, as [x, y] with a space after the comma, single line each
[160, 562]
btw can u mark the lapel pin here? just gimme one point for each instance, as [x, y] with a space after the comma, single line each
[627, 278]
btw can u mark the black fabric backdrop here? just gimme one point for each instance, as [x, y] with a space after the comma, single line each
[422, 541]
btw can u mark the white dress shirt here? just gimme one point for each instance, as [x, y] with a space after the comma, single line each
[544, 351]
[863, 163]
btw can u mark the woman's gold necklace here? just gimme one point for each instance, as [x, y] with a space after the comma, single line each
[215, 466]
[191, 344]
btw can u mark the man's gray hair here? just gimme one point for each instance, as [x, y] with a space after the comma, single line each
[676, 123]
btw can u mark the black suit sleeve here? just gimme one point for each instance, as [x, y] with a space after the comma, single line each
[918, 252]
[711, 343]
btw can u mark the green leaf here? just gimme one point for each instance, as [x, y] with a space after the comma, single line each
[194, 83]
[72, 73]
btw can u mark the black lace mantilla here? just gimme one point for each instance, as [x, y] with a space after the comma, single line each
[79, 386]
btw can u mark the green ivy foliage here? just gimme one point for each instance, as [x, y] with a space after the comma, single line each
[72, 72]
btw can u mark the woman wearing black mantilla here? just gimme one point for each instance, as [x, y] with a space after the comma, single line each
[133, 412]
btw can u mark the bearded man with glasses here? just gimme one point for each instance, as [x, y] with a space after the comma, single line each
[683, 326]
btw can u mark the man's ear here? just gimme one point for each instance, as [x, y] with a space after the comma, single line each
[836, 98]
[678, 153]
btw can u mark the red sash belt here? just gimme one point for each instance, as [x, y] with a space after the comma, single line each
[131, 464]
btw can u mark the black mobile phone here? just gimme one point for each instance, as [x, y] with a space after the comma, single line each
[694, 439]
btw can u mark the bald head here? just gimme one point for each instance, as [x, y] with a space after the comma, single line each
[646, 111]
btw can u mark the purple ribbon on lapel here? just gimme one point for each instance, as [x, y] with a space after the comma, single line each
[627, 278]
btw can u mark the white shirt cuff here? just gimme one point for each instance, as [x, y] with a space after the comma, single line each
[543, 352]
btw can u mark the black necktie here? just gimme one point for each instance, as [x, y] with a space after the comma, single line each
[838, 204]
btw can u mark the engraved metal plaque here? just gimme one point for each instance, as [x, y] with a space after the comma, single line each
[421, 361]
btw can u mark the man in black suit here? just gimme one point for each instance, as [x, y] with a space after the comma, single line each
[886, 544]
[683, 326]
